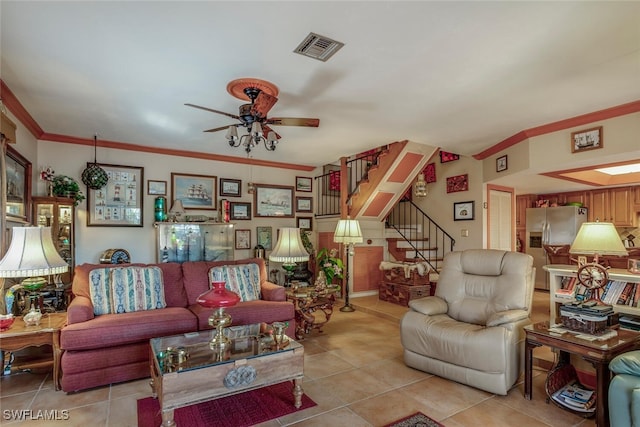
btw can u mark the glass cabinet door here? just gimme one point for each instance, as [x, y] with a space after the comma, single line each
[59, 214]
[192, 241]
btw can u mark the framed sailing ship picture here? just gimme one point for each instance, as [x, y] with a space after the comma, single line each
[194, 191]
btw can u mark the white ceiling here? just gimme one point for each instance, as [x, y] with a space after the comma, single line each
[459, 75]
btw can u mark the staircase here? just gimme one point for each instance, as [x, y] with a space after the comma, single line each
[412, 235]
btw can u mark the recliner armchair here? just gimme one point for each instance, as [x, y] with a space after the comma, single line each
[471, 330]
[624, 390]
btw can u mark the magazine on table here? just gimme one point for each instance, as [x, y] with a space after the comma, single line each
[575, 396]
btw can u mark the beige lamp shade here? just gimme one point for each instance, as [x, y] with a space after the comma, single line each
[32, 253]
[598, 238]
[289, 248]
[347, 232]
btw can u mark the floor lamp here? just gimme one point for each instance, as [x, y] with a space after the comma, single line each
[347, 232]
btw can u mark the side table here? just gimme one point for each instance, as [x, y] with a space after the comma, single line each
[598, 353]
[21, 336]
[309, 303]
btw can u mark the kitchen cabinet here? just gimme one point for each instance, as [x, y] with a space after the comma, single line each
[194, 241]
[613, 205]
[522, 203]
[59, 214]
[575, 197]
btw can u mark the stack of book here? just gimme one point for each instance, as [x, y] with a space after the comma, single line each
[575, 396]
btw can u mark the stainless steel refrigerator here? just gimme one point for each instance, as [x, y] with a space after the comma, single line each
[550, 226]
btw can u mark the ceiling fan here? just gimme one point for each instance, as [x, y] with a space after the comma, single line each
[253, 116]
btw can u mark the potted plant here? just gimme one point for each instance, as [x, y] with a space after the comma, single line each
[330, 264]
[65, 186]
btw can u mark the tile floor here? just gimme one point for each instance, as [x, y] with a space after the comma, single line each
[353, 371]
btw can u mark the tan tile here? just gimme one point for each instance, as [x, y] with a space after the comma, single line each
[354, 385]
[394, 372]
[15, 402]
[492, 413]
[20, 382]
[61, 400]
[441, 398]
[123, 412]
[338, 417]
[136, 387]
[324, 364]
[388, 407]
[324, 398]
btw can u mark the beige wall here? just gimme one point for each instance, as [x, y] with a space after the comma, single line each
[71, 159]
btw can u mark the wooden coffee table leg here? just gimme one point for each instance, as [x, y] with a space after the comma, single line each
[57, 356]
[167, 419]
[297, 392]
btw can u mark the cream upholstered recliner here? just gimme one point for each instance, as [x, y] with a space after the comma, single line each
[471, 331]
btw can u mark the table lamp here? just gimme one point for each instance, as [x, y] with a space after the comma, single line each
[596, 238]
[218, 297]
[347, 232]
[32, 254]
[289, 250]
[177, 211]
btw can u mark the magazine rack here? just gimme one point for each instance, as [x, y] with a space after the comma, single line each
[561, 375]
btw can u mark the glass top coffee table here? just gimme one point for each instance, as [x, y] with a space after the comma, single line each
[185, 370]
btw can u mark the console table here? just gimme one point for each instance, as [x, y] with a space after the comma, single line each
[598, 353]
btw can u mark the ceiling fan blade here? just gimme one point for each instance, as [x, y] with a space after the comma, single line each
[266, 129]
[233, 116]
[294, 121]
[219, 128]
[263, 104]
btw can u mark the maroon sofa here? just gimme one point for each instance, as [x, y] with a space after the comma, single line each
[111, 348]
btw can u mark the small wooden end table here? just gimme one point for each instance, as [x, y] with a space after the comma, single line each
[21, 336]
[307, 300]
[598, 353]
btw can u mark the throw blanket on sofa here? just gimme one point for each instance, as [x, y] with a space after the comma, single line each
[243, 279]
[126, 289]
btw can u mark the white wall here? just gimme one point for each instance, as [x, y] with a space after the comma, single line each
[71, 159]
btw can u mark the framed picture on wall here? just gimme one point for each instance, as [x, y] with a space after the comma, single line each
[304, 184]
[463, 211]
[264, 237]
[304, 223]
[588, 139]
[195, 191]
[120, 202]
[239, 210]
[18, 186]
[243, 239]
[304, 204]
[273, 200]
[157, 188]
[458, 183]
[230, 187]
[501, 163]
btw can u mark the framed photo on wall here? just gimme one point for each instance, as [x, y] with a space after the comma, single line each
[304, 223]
[230, 187]
[157, 188]
[304, 184]
[265, 237]
[120, 202]
[458, 183]
[239, 210]
[463, 211]
[304, 204]
[18, 186]
[195, 191]
[501, 163]
[273, 200]
[243, 239]
[588, 139]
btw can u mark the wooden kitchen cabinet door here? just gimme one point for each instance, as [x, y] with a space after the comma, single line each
[366, 268]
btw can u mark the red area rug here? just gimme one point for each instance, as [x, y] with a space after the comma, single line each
[240, 410]
[416, 420]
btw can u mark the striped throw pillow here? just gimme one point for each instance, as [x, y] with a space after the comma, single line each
[100, 291]
[137, 289]
[243, 279]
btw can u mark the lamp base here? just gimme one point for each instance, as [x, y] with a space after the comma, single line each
[219, 319]
[347, 308]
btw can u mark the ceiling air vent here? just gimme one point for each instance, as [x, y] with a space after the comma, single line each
[318, 47]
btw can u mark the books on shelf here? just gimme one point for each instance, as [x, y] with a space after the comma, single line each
[615, 292]
[575, 396]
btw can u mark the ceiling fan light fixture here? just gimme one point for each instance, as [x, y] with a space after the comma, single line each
[232, 135]
[256, 130]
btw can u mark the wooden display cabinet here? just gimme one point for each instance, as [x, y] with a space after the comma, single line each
[59, 214]
[613, 205]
